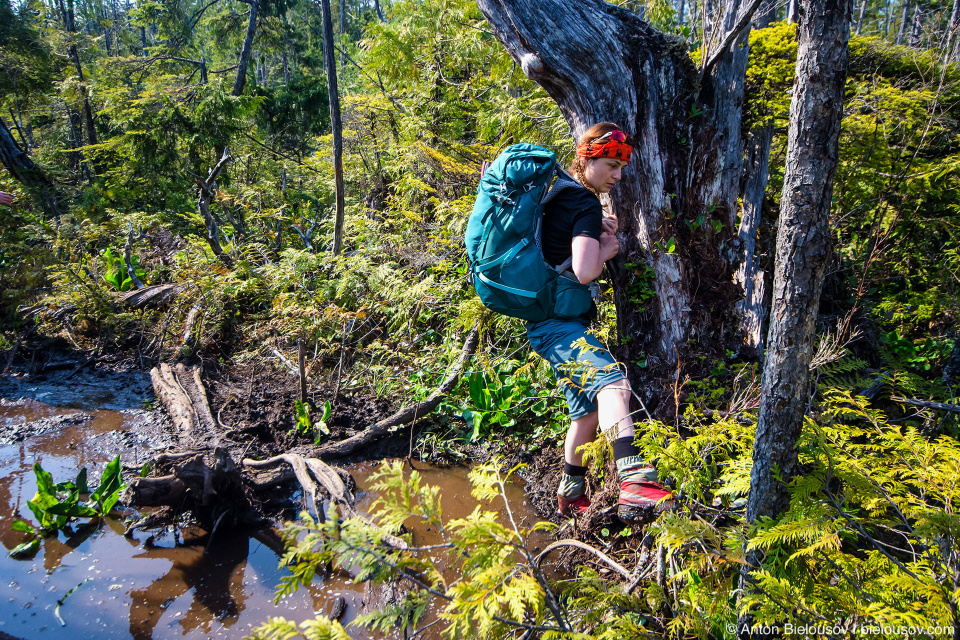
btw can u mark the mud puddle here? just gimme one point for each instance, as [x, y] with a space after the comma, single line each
[153, 585]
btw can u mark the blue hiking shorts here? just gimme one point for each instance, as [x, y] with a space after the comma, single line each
[581, 370]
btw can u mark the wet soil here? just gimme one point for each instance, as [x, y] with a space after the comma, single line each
[174, 581]
[255, 403]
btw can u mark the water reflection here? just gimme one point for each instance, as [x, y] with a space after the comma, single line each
[157, 585]
[215, 579]
[149, 586]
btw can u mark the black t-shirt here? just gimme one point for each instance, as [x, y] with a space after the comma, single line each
[573, 212]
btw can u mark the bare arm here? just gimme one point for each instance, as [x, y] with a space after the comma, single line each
[589, 255]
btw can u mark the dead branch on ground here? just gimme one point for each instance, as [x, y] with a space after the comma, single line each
[407, 414]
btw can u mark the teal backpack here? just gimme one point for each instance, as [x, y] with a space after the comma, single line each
[503, 239]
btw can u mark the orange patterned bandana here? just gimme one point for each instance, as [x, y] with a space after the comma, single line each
[611, 145]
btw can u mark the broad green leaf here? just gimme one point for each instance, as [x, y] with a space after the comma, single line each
[26, 549]
[20, 525]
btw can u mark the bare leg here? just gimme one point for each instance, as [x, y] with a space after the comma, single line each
[581, 431]
[613, 403]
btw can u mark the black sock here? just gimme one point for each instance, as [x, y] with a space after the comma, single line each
[624, 448]
[574, 470]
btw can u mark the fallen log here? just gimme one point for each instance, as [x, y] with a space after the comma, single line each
[174, 399]
[407, 414]
[193, 386]
[184, 397]
[155, 295]
[928, 404]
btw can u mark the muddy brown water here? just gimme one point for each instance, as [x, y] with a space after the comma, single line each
[156, 584]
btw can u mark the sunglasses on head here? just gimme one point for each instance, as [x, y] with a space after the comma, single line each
[617, 135]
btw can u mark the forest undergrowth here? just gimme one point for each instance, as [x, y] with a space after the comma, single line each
[871, 536]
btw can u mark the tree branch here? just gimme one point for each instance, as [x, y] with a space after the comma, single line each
[929, 404]
[731, 35]
[407, 414]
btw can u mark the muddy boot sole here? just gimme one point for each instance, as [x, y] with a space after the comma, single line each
[630, 514]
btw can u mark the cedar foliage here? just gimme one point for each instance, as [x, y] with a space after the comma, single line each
[428, 95]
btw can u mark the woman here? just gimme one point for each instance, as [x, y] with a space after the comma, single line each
[575, 232]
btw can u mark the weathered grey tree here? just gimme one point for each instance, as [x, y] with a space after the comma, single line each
[677, 201]
[330, 62]
[756, 173]
[803, 248]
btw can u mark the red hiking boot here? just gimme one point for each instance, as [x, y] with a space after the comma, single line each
[640, 501]
[575, 506]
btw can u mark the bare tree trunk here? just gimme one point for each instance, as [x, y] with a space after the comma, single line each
[75, 139]
[756, 173]
[860, 15]
[903, 22]
[376, 5]
[608, 65]
[21, 167]
[241, 79]
[803, 248]
[917, 25]
[330, 63]
[949, 48]
[75, 57]
[792, 11]
[749, 275]
[207, 189]
[343, 31]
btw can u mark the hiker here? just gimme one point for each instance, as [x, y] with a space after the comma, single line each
[597, 392]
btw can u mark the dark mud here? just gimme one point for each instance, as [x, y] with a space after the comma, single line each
[255, 404]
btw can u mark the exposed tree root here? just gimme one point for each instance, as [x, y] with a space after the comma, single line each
[207, 489]
[310, 472]
[613, 564]
[407, 414]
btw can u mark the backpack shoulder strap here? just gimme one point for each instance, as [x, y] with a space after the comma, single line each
[563, 182]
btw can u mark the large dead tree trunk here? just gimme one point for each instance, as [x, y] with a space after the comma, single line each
[803, 248]
[334, 93]
[605, 64]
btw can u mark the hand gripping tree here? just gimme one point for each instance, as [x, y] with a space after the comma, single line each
[677, 201]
